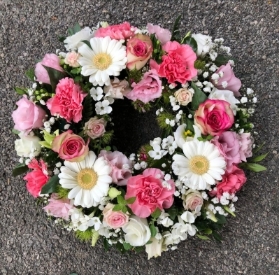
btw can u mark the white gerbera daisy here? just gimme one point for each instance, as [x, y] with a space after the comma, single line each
[89, 180]
[107, 57]
[201, 166]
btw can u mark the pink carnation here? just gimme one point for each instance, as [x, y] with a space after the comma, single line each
[149, 88]
[58, 208]
[229, 146]
[120, 164]
[50, 60]
[121, 31]
[228, 81]
[163, 35]
[231, 182]
[67, 101]
[28, 115]
[178, 63]
[37, 178]
[150, 193]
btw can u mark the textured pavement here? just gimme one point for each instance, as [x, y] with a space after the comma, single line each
[30, 244]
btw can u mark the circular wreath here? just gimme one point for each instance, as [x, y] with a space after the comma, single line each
[181, 183]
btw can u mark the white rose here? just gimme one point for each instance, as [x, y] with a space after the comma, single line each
[155, 248]
[137, 231]
[74, 41]
[204, 43]
[183, 96]
[225, 95]
[27, 146]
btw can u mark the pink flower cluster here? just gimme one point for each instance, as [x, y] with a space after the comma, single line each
[149, 192]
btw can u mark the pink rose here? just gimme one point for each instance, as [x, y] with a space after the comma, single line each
[70, 147]
[192, 199]
[50, 60]
[67, 101]
[178, 64]
[114, 219]
[95, 127]
[149, 88]
[163, 35]
[213, 117]
[231, 182]
[121, 31]
[150, 193]
[229, 146]
[28, 115]
[37, 178]
[246, 146]
[228, 81]
[71, 59]
[117, 88]
[139, 50]
[58, 208]
[121, 166]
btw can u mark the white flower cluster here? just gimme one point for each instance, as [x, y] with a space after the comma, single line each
[162, 147]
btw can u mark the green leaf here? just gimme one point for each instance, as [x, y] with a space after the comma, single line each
[51, 186]
[175, 29]
[54, 76]
[87, 43]
[153, 230]
[121, 200]
[127, 246]
[255, 167]
[198, 97]
[14, 131]
[191, 42]
[259, 158]
[95, 237]
[222, 60]
[106, 244]
[216, 236]
[117, 207]
[20, 91]
[87, 111]
[130, 200]
[155, 215]
[205, 238]
[73, 274]
[30, 74]
[76, 28]
[221, 219]
[173, 212]
[207, 231]
[20, 169]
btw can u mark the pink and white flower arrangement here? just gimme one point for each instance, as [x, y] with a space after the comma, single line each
[183, 183]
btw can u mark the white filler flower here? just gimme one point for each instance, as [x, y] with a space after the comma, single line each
[201, 165]
[88, 179]
[106, 57]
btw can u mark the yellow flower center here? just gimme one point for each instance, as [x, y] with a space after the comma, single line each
[199, 165]
[188, 133]
[87, 178]
[102, 61]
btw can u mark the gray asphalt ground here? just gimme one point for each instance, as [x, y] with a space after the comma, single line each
[32, 244]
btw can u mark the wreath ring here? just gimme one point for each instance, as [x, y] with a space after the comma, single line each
[181, 183]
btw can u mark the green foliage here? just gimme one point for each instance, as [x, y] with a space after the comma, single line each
[20, 169]
[153, 230]
[175, 30]
[51, 186]
[88, 108]
[62, 192]
[161, 119]
[76, 28]
[54, 76]
[30, 74]
[141, 106]
[253, 166]
[191, 42]
[222, 60]
[122, 203]
[84, 236]
[87, 43]
[134, 75]
[198, 97]
[20, 91]
[205, 238]
[199, 64]
[156, 214]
